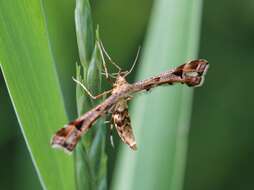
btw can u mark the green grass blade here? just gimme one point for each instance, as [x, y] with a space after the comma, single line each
[161, 118]
[29, 71]
[84, 31]
[63, 44]
[83, 169]
[195, 14]
[90, 157]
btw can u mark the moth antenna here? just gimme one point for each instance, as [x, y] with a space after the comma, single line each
[107, 55]
[134, 63]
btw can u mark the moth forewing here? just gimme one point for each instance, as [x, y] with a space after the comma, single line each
[192, 74]
[68, 137]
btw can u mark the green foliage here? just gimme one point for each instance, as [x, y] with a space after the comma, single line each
[221, 140]
[38, 52]
[90, 156]
[29, 62]
[84, 31]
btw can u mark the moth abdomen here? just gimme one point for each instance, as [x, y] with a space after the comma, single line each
[122, 122]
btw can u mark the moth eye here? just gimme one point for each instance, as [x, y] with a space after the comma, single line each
[191, 74]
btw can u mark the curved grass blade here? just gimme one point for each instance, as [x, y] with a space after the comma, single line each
[29, 70]
[62, 39]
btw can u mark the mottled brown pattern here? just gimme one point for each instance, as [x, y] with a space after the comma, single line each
[121, 119]
[191, 74]
[66, 137]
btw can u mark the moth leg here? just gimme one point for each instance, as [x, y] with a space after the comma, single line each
[106, 73]
[109, 79]
[103, 50]
[129, 97]
[103, 59]
[111, 135]
[110, 110]
[89, 93]
[106, 122]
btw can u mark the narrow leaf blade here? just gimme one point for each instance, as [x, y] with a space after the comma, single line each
[29, 71]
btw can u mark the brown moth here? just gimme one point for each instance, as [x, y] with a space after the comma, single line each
[192, 74]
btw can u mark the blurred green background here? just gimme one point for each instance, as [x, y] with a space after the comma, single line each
[220, 152]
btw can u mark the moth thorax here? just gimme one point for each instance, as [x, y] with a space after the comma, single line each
[119, 84]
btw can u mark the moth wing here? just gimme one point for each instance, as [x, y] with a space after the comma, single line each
[67, 138]
[193, 72]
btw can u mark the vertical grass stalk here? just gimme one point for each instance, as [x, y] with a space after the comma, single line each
[90, 156]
